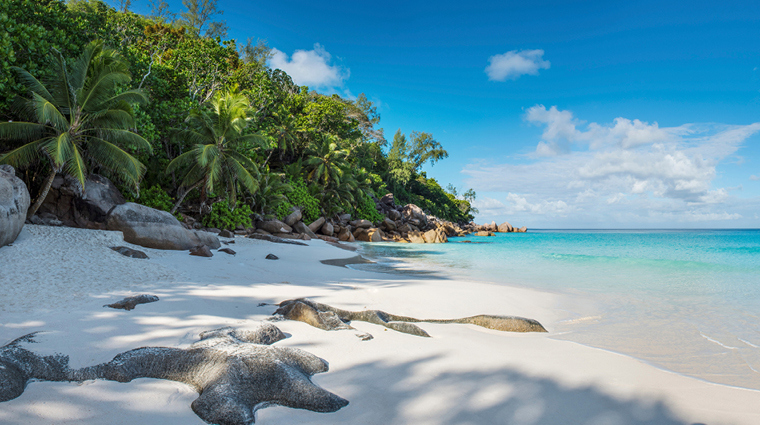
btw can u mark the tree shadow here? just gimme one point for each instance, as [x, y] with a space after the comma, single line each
[384, 393]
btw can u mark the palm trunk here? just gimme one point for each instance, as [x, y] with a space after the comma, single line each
[182, 197]
[42, 195]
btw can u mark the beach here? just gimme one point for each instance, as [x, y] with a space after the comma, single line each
[57, 280]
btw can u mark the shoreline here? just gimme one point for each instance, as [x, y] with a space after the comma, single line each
[463, 373]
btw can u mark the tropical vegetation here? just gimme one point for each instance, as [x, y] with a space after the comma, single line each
[166, 103]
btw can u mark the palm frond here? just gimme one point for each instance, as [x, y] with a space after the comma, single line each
[124, 138]
[76, 167]
[25, 155]
[32, 84]
[184, 160]
[112, 157]
[243, 175]
[21, 130]
[59, 150]
[47, 113]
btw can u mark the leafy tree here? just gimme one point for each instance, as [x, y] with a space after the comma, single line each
[76, 121]
[124, 5]
[199, 14]
[159, 10]
[214, 164]
[423, 148]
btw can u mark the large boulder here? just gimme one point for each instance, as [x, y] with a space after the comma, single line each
[274, 226]
[394, 215]
[87, 208]
[156, 229]
[387, 199]
[14, 204]
[415, 236]
[317, 224]
[327, 229]
[369, 235]
[207, 238]
[364, 224]
[389, 224]
[300, 227]
[435, 236]
[412, 212]
[293, 217]
[505, 227]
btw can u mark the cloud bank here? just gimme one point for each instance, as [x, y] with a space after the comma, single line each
[628, 172]
[513, 64]
[311, 68]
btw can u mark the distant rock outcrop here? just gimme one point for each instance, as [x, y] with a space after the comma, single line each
[14, 204]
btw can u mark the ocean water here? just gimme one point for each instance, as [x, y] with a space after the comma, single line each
[684, 300]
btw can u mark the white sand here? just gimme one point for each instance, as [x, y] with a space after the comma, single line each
[57, 280]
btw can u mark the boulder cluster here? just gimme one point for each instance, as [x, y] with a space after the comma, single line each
[101, 206]
[401, 223]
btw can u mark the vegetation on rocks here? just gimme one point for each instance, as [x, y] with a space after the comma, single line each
[165, 102]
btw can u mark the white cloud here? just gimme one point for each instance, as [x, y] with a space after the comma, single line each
[754, 178]
[561, 132]
[518, 203]
[310, 67]
[627, 171]
[488, 206]
[513, 64]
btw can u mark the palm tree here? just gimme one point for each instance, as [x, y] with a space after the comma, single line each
[214, 164]
[271, 194]
[327, 163]
[77, 121]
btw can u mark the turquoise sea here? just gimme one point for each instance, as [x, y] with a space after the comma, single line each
[684, 300]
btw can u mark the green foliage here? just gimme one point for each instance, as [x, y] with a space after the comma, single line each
[301, 198]
[222, 217]
[365, 210]
[154, 197]
[330, 148]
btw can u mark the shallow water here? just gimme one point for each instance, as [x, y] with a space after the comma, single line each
[684, 300]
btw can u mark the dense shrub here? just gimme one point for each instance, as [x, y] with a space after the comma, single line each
[300, 198]
[222, 217]
[365, 210]
[155, 197]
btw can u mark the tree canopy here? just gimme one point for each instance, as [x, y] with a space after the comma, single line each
[223, 125]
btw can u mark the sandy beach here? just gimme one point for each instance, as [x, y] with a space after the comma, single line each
[56, 281]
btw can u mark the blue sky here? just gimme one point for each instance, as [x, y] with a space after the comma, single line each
[559, 114]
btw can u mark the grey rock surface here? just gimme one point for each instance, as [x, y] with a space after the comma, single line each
[156, 229]
[18, 366]
[274, 239]
[201, 251]
[14, 204]
[129, 252]
[228, 251]
[293, 217]
[86, 207]
[330, 318]
[226, 234]
[232, 372]
[300, 227]
[274, 226]
[207, 238]
[129, 303]
[317, 224]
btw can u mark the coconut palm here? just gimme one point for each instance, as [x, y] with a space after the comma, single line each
[326, 163]
[77, 121]
[214, 164]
